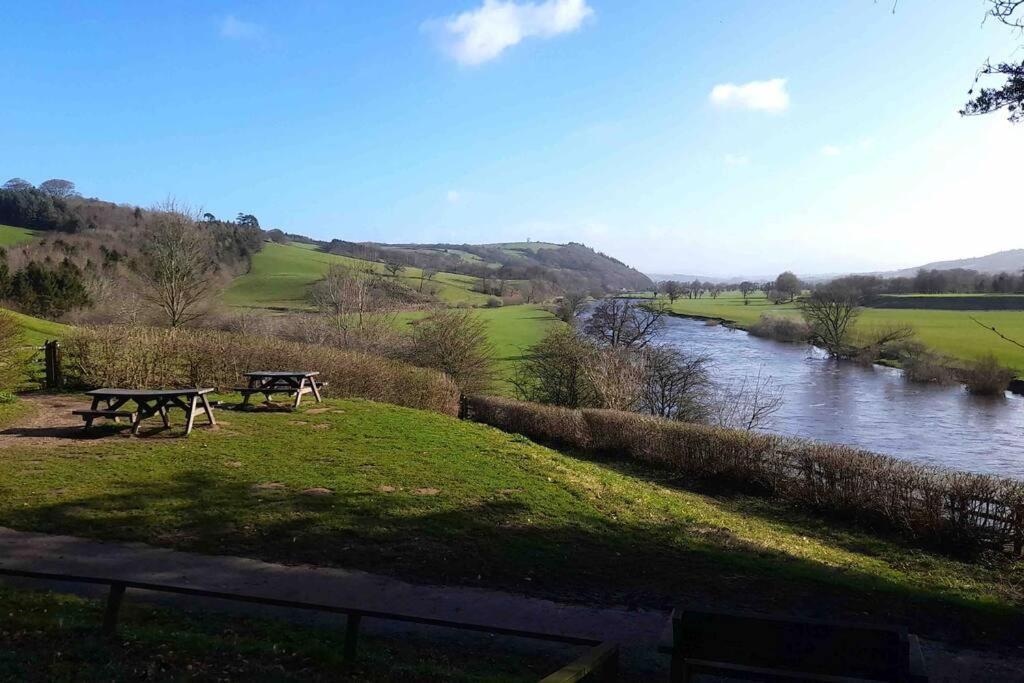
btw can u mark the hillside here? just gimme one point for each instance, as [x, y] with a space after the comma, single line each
[1009, 261]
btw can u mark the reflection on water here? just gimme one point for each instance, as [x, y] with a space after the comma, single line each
[870, 407]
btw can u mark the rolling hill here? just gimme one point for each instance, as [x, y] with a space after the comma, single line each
[1009, 261]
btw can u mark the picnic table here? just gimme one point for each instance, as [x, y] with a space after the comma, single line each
[149, 402]
[269, 382]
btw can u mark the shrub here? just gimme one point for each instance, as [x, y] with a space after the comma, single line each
[143, 357]
[781, 328]
[925, 366]
[12, 360]
[495, 302]
[986, 377]
[956, 510]
[456, 343]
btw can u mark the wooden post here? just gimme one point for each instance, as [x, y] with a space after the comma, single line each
[351, 636]
[113, 607]
[52, 361]
[463, 407]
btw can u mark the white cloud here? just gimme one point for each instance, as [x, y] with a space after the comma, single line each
[453, 196]
[831, 150]
[770, 96]
[734, 160]
[481, 34]
[236, 29]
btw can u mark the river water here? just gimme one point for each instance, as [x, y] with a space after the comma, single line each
[870, 407]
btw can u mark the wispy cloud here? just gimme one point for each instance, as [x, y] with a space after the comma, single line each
[453, 196]
[233, 28]
[734, 160]
[861, 145]
[481, 34]
[831, 150]
[770, 96]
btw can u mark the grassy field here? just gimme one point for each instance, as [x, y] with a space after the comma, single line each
[55, 637]
[428, 498]
[282, 275]
[950, 332]
[36, 330]
[11, 236]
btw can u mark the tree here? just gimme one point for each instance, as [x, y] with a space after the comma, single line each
[426, 275]
[457, 343]
[17, 184]
[672, 289]
[569, 306]
[1010, 94]
[830, 312]
[56, 187]
[248, 220]
[622, 322]
[675, 384]
[209, 217]
[176, 265]
[394, 267]
[616, 374]
[554, 370]
[788, 284]
[746, 289]
[42, 290]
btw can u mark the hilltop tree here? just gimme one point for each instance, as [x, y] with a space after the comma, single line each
[17, 184]
[788, 284]
[58, 188]
[248, 220]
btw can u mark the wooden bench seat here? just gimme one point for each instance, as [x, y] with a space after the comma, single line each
[115, 415]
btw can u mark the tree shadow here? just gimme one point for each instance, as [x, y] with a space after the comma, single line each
[508, 545]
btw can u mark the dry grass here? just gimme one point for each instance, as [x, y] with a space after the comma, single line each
[986, 377]
[160, 357]
[955, 510]
[781, 328]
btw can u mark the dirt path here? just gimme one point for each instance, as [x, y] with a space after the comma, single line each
[637, 631]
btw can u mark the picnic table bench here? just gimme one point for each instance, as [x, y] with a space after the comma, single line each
[269, 382]
[148, 402]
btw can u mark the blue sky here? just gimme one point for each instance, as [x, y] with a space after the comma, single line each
[692, 137]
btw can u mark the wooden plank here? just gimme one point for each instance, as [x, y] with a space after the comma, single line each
[597, 665]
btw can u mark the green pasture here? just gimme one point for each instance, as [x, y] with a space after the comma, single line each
[11, 236]
[37, 330]
[952, 333]
[282, 275]
[428, 498]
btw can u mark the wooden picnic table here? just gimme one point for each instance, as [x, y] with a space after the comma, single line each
[269, 382]
[149, 402]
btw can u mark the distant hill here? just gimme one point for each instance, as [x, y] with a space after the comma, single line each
[1009, 261]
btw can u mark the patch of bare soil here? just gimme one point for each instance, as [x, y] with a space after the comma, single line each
[48, 422]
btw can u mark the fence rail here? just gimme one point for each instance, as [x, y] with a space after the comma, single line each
[118, 588]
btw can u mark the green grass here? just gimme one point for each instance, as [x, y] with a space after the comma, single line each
[950, 332]
[282, 275]
[53, 637]
[36, 330]
[428, 498]
[11, 236]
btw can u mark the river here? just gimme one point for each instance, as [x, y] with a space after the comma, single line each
[871, 407]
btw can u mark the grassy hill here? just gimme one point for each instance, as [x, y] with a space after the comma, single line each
[429, 498]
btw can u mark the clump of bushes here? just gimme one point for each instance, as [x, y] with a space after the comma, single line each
[781, 328]
[12, 359]
[144, 357]
[957, 510]
[456, 343]
[986, 377]
[494, 302]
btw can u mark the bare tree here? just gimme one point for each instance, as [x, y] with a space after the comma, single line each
[675, 384]
[455, 342]
[1010, 94]
[751, 405]
[746, 288]
[176, 265]
[426, 275]
[672, 289]
[788, 284]
[830, 312]
[623, 322]
[348, 297]
[554, 370]
[56, 187]
[394, 267]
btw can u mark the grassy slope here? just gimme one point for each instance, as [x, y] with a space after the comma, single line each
[429, 498]
[36, 330]
[282, 275]
[11, 236]
[55, 637]
[949, 332]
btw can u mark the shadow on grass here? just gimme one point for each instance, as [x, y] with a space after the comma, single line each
[508, 545]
